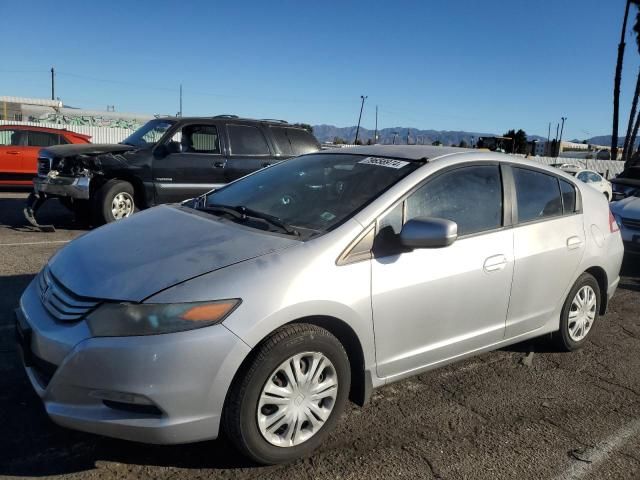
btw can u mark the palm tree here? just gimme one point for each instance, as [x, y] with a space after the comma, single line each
[616, 85]
[630, 143]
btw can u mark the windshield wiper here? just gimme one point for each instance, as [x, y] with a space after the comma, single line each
[241, 212]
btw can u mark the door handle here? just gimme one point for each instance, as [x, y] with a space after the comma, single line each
[218, 165]
[574, 242]
[13, 152]
[495, 263]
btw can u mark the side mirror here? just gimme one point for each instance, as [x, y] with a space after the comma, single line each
[428, 232]
[160, 151]
[174, 147]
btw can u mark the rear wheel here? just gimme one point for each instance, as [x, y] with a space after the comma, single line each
[114, 200]
[579, 313]
[290, 396]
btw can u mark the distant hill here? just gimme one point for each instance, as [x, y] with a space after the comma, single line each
[326, 133]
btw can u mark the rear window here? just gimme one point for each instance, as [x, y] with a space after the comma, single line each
[282, 140]
[538, 195]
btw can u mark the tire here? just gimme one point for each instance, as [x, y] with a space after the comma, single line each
[251, 423]
[571, 336]
[107, 196]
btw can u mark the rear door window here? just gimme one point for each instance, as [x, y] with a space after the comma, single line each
[538, 195]
[42, 139]
[247, 140]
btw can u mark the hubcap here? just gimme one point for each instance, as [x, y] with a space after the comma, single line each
[122, 205]
[582, 313]
[297, 399]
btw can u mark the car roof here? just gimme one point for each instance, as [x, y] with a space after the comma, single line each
[42, 129]
[404, 152]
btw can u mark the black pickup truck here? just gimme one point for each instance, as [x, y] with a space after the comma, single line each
[167, 160]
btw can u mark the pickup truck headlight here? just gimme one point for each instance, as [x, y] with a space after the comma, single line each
[128, 319]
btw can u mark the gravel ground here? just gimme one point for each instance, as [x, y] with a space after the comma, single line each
[506, 414]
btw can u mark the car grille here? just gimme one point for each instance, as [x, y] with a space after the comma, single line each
[631, 223]
[44, 165]
[60, 302]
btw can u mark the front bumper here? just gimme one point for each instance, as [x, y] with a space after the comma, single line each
[184, 376]
[61, 186]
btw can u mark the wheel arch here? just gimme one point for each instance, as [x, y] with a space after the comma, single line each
[601, 277]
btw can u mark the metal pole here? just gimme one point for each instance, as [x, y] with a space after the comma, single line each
[546, 147]
[555, 141]
[181, 100]
[53, 84]
[375, 135]
[360, 118]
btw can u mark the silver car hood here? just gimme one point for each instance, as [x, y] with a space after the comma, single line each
[155, 249]
[627, 207]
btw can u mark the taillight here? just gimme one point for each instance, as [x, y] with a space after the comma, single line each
[613, 225]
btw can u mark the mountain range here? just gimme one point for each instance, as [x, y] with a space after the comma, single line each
[327, 133]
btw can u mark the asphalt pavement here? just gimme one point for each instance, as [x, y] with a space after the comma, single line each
[524, 412]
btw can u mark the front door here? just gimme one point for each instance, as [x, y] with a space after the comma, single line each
[193, 165]
[431, 305]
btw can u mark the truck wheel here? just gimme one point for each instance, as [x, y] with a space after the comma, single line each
[114, 201]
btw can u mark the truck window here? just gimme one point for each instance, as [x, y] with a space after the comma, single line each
[247, 140]
[282, 140]
[302, 141]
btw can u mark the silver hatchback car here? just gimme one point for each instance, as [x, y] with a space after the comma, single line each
[262, 307]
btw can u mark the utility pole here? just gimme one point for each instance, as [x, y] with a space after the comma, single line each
[555, 141]
[561, 130]
[180, 114]
[363, 97]
[546, 147]
[53, 84]
[375, 135]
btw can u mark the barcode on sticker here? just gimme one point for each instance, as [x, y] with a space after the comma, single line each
[384, 162]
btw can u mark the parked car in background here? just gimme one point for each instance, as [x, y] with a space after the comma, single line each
[166, 160]
[254, 310]
[19, 147]
[591, 178]
[627, 214]
[626, 183]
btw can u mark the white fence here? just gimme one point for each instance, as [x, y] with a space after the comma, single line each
[609, 168]
[98, 134]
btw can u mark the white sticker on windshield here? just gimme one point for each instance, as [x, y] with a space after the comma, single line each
[384, 162]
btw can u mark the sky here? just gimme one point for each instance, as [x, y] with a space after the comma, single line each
[484, 66]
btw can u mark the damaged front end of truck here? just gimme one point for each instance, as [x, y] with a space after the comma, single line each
[69, 172]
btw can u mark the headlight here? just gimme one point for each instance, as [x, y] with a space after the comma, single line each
[127, 319]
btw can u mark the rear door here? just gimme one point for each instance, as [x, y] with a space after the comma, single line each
[248, 151]
[194, 164]
[11, 166]
[549, 242]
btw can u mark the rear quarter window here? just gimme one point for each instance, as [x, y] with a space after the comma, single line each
[302, 141]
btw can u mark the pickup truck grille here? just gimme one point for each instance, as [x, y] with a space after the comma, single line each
[61, 303]
[631, 223]
[44, 165]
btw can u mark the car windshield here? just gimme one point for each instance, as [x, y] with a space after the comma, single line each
[313, 193]
[149, 133]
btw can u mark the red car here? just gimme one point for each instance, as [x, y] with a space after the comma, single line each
[19, 147]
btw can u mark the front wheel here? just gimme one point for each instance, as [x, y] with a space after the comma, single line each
[579, 313]
[114, 200]
[289, 396]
